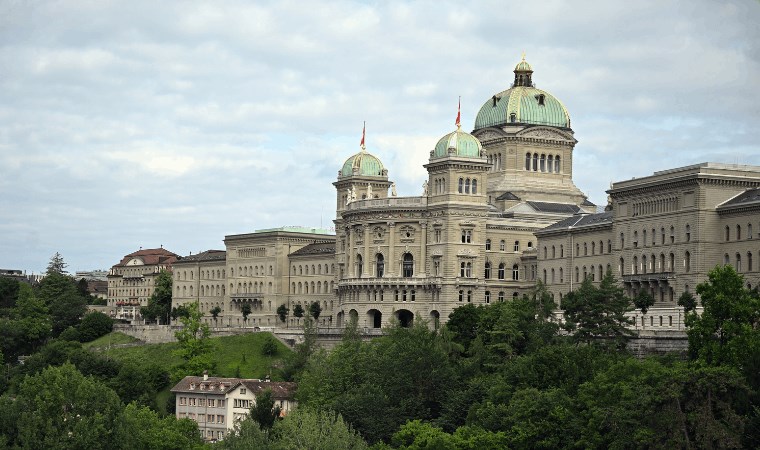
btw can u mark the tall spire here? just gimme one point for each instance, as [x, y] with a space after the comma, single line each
[459, 114]
[364, 130]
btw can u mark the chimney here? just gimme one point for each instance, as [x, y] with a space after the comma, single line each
[205, 375]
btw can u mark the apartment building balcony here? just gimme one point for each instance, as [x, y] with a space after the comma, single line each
[657, 277]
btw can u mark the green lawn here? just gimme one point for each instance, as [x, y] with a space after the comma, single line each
[110, 339]
[233, 355]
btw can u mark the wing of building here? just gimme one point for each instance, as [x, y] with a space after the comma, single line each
[497, 211]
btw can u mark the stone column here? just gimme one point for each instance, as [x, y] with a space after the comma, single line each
[367, 259]
[349, 249]
[390, 265]
[423, 249]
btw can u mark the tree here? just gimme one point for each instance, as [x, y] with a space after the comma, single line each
[298, 311]
[315, 430]
[282, 312]
[246, 435]
[142, 428]
[60, 295]
[264, 412]
[82, 288]
[728, 331]
[94, 325]
[160, 302]
[246, 310]
[61, 408]
[592, 313]
[643, 301]
[179, 311]
[26, 327]
[194, 345]
[688, 302]
[56, 265]
[315, 309]
[215, 311]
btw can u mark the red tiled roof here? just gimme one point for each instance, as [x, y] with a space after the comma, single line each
[151, 256]
[280, 389]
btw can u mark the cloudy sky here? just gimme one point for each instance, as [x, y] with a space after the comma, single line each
[140, 123]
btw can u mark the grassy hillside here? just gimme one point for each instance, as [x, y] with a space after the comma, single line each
[114, 338]
[239, 355]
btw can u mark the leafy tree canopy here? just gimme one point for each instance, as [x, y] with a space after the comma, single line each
[159, 305]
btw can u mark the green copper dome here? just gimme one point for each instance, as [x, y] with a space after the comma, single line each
[523, 104]
[460, 143]
[367, 165]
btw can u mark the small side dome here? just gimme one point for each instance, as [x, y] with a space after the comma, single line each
[458, 143]
[363, 164]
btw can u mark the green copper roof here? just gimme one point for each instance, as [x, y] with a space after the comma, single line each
[525, 103]
[367, 164]
[523, 66]
[463, 143]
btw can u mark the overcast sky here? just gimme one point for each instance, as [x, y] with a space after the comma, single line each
[141, 123]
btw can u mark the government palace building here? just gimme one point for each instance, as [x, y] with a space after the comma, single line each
[498, 212]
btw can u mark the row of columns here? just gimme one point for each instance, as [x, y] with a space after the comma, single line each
[390, 266]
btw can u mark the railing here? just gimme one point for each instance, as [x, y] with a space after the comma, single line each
[657, 276]
[389, 281]
[389, 202]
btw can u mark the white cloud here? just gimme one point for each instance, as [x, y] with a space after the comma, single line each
[127, 124]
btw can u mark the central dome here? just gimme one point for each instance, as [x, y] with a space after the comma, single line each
[363, 164]
[523, 104]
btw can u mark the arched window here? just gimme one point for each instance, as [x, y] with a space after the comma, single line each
[543, 163]
[635, 265]
[515, 272]
[488, 296]
[502, 245]
[726, 260]
[556, 164]
[468, 270]
[749, 261]
[550, 163]
[635, 239]
[621, 267]
[501, 274]
[501, 296]
[408, 266]
[359, 266]
[687, 262]
[601, 272]
[738, 262]
[561, 275]
[644, 238]
[749, 231]
[517, 246]
[554, 252]
[562, 251]
[688, 233]
[585, 249]
[545, 252]
[474, 186]
[461, 296]
[488, 244]
[488, 270]
[527, 161]
[552, 275]
[380, 265]
[535, 162]
[738, 232]
[585, 273]
[461, 185]
[545, 278]
[577, 272]
[467, 186]
[672, 235]
[462, 269]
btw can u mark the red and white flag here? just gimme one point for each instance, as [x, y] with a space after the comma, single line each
[459, 113]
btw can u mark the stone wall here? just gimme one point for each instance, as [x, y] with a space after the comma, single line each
[158, 334]
[650, 343]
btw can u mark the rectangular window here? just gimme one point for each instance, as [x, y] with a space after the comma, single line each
[183, 401]
[242, 391]
[220, 418]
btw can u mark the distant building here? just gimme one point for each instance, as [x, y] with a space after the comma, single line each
[132, 281]
[661, 234]
[216, 404]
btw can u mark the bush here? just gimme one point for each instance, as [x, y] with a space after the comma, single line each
[270, 347]
[94, 325]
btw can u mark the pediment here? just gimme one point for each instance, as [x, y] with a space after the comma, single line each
[546, 133]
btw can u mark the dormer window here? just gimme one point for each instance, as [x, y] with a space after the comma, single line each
[541, 98]
[513, 117]
[192, 386]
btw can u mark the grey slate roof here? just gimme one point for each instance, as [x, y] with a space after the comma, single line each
[208, 255]
[507, 196]
[746, 198]
[324, 248]
[557, 208]
[581, 221]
